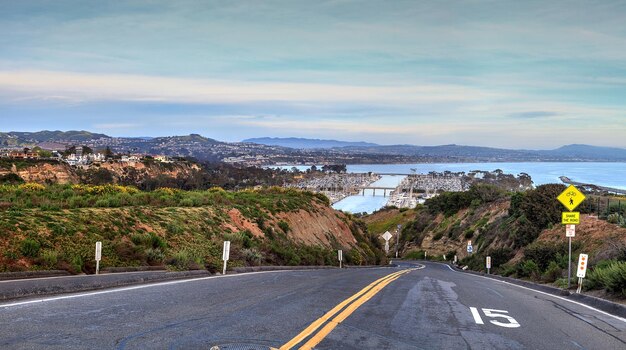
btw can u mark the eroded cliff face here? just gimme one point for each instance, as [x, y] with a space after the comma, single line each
[44, 173]
[62, 173]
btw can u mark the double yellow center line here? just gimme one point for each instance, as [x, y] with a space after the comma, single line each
[352, 304]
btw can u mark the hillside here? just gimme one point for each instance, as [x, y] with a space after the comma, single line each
[302, 143]
[56, 227]
[18, 138]
[520, 231]
[130, 173]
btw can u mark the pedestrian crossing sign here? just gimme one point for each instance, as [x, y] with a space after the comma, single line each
[571, 197]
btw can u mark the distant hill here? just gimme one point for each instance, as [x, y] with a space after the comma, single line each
[302, 143]
[18, 137]
[578, 151]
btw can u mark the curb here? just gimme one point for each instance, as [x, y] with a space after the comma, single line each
[18, 289]
[600, 304]
[6, 276]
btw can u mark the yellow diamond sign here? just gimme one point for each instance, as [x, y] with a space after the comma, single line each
[571, 197]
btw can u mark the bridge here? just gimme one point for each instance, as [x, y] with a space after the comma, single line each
[374, 188]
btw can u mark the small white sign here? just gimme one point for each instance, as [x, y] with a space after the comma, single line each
[387, 236]
[98, 251]
[469, 247]
[340, 254]
[488, 262]
[583, 260]
[570, 230]
[226, 252]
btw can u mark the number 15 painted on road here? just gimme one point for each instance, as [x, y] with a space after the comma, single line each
[493, 313]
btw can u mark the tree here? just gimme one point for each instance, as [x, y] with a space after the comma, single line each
[87, 150]
[108, 153]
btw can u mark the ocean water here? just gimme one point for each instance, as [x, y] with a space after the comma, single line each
[598, 173]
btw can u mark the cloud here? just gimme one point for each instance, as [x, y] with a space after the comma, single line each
[533, 115]
[80, 87]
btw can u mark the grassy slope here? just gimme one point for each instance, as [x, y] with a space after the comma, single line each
[521, 233]
[57, 226]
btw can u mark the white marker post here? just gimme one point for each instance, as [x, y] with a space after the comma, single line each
[340, 256]
[488, 264]
[570, 231]
[455, 258]
[225, 255]
[470, 249]
[398, 239]
[98, 256]
[583, 260]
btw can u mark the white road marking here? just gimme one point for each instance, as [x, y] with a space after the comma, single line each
[476, 315]
[124, 289]
[544, 293]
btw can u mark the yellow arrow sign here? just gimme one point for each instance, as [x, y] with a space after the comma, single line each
[571, 197]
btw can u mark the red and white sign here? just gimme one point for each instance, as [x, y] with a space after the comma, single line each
[583, 260]
[570, 230]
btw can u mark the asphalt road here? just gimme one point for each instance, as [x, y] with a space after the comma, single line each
[428, 308]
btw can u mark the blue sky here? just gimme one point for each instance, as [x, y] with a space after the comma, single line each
[515, 74]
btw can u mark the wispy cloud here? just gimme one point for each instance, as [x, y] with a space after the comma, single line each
[116, 87]
[533, 115]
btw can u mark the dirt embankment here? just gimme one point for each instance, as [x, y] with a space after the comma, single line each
[447, 234]
[62, 173]
[598, 237]
[58, 173]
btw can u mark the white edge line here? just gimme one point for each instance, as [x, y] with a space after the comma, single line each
[123, 289]
[149, 285]
[540, 292]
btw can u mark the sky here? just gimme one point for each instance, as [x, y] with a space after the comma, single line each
[512, 74]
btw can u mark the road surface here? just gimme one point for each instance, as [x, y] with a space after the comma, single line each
[413, 306]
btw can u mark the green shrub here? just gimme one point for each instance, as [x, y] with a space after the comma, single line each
[181, 260]
[155, 255]
[284, 226]
[528, 268]
[49, 258]
[415, 255]
[553, 272]
[253, 256]
[611, 277]
[30, 248]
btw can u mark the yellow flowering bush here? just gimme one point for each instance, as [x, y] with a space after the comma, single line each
[32, 187]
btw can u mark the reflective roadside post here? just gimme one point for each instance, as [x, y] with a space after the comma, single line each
[225, 255]
[340, 256]
[488, 264]
[583, 261]
[398, 239]
[98, 256]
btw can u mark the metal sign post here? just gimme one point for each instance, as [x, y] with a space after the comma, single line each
[570, 231]
[225, 255]
[571, 198]
[340, 256]
[470, 249]
[98, 256]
